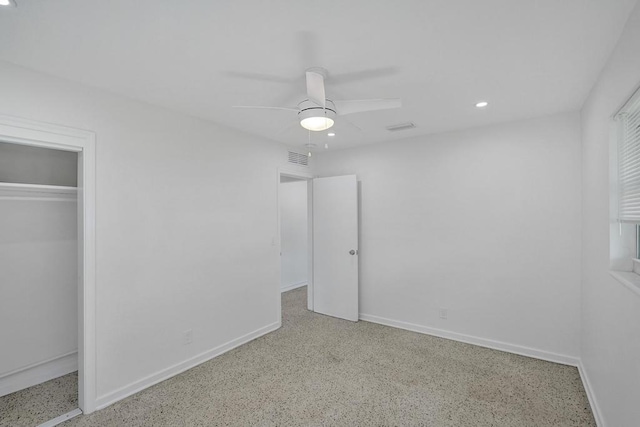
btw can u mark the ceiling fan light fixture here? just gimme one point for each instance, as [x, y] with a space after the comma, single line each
[11, 3]
[315, 118]
[316, 123]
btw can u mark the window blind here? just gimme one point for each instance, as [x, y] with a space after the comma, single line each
[629, 161]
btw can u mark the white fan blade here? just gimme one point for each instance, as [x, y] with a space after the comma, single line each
[358, 76]
[353, 125]
[315, 88]
[359, 106]
[260, 107]
[260, 77]
[292, 125]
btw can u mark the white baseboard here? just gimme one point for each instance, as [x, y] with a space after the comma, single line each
[482, 342]
[136, 386]
[38, 373]
[292, 287]
[597, 414]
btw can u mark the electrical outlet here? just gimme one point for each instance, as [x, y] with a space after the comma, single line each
[443, 313]
[187, 337]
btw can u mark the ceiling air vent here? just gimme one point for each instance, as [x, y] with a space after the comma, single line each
[401, 126]
[298, 159]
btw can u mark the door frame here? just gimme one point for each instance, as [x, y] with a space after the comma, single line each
[15, 130]
[308, 177]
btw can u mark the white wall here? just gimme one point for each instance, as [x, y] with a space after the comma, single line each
[484, 223]
[610, 347]
[186, 227]
[293, 233]
[39, 293]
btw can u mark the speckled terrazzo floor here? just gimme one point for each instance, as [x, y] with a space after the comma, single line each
[321, 371]
[35, 405]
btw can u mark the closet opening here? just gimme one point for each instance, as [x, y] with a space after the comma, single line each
[39, 264]
[47, 259]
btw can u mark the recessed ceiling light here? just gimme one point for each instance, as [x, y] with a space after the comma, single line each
[482, 104]
[331, 134]
[7, 3]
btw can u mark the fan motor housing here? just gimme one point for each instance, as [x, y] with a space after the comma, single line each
[311, 109]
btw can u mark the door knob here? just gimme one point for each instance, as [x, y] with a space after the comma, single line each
[352, 252]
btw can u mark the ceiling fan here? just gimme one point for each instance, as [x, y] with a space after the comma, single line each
[317, 113]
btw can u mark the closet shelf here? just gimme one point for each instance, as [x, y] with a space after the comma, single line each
[9, 191]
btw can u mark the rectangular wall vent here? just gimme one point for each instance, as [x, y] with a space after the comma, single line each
[401, 126]
[298, 159]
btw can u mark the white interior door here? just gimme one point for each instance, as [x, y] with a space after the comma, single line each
[335, 246]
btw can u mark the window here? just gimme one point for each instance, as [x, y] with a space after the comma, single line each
[629, 161]
[637, 241]
[625, 206]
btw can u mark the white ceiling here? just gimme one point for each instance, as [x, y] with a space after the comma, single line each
[527, 58]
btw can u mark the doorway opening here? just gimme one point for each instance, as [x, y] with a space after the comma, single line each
[47, 207]
[332, 218]
[294, 223]
[293, 233]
